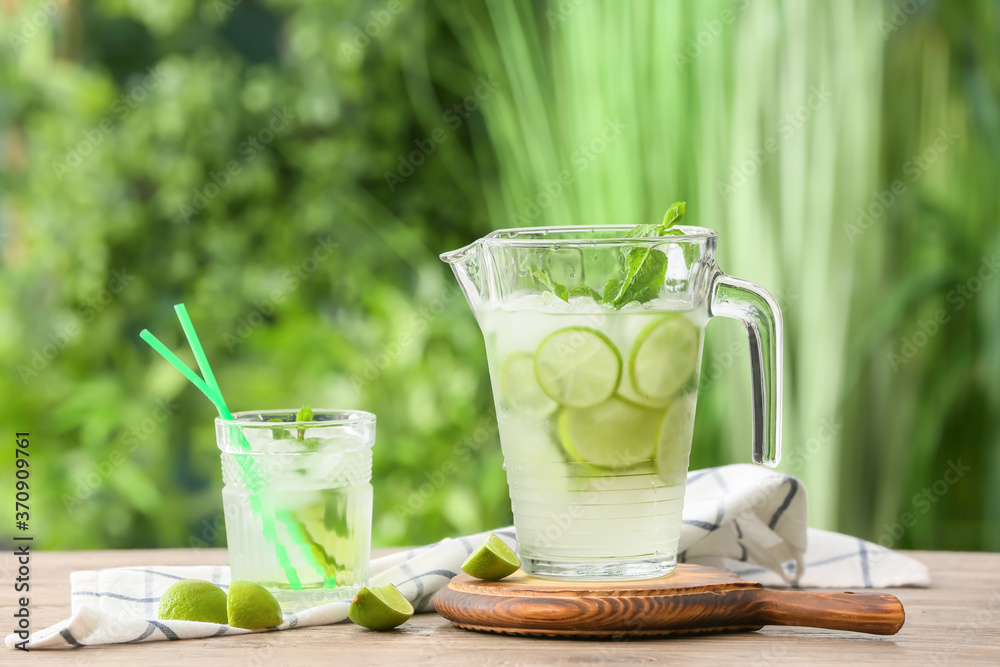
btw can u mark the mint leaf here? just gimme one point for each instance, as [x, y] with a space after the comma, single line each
[645, 270]
[313, 444]
[645, 267]
[305, 414]
[546, 280]
[673, 215]
[671, 218]
[278, 433]
[611, 291]
[644, 231]
[586, 290]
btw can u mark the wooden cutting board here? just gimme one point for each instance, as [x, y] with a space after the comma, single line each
[692, 599]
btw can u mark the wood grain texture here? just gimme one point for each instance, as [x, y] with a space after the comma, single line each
[693, 598]
[955, 622]
[874, 613]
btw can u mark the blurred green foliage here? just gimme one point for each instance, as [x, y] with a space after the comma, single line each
[233, 155]
[308, 279]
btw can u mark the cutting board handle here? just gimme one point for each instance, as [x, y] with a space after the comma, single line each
[874, 613]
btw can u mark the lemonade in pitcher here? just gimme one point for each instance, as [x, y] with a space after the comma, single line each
[594, 339]
[596, 412]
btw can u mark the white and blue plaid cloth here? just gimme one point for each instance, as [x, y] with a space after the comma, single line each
[746, 519]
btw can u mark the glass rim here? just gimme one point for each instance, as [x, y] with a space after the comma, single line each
[350, 417]
[515, 236]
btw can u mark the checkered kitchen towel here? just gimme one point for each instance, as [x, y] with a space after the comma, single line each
[742, 518]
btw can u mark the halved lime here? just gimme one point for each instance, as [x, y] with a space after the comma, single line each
[520, 389]
[492, 560]
[578, 367]
[614, 434]
[380, 607]
[193, 600]
[674, 445]
[663, 357]
[251, 606]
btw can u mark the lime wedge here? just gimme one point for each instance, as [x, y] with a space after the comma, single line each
[578, 367]
[663, 357]
[674, 445]
[614, 434]
[492, 560]
[520, 389]
[252, 606]
[380, 608]
[193, 600]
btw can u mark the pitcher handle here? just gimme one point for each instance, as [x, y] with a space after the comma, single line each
[754, 306]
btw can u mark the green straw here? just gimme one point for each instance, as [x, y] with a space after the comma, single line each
[199, 355]
[206, 370]
[164, 352]
[210, 387]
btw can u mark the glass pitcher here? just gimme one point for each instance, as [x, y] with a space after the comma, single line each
[595, 403]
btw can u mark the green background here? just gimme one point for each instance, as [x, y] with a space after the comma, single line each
[290, 170]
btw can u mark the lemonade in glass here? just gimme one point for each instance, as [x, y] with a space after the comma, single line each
[298, 502]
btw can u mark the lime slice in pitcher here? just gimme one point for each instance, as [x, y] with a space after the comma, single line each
[614, 434]
[626, 392]
[520, 389]
[663, 357]
[578, 367]
[674, 445]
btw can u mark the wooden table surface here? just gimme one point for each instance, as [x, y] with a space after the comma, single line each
[956, 622]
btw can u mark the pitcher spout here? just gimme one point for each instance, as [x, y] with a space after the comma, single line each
[461, 255]
[466, 263]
